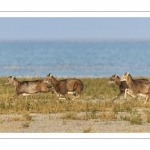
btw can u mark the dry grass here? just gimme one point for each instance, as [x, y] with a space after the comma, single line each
[135, 118]
[25, 124]
[26, 117]
[147, 116]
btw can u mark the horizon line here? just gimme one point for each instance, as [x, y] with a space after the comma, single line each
[75, 40]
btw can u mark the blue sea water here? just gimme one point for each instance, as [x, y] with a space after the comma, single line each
[74, 59]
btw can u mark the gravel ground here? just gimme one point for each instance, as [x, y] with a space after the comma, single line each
[53, 123]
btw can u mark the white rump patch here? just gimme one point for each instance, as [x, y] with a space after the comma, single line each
[144, 95]
[73, 92]
[25, 94]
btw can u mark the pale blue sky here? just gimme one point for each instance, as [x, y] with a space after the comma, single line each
[74, 29]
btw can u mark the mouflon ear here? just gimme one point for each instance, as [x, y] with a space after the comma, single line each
[127, 73]
[49, 74]
[116, 75]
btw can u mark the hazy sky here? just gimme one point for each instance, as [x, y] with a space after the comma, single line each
[75, 28]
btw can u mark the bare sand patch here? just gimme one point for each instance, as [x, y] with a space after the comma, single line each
[55, 123]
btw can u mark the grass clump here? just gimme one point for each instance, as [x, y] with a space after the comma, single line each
[147, 116]
[70, 115]
[107, 116]
[98, 88]
[135, 118]
[27, 117]
[125, 118]
[87, 130]
[25, 124]
[126, 107]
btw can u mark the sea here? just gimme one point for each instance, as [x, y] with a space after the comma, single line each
[74, 59]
